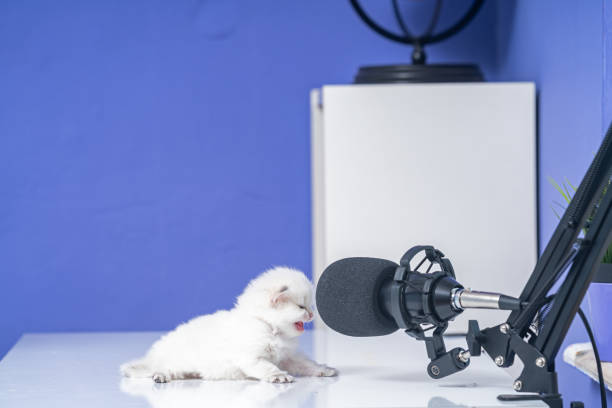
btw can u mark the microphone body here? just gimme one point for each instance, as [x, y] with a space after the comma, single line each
[414, 298]
[375, 297]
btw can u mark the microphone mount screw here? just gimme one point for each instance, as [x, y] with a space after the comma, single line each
[540, 362]
[464, 356]
[504, 328]
[499, 360]
[435, 370]
[518, 384]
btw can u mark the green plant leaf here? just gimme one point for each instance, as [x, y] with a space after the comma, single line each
[607, 256]
[569, 195]
[560, 205]
[570, 184]
[558, 188]
[556, 213]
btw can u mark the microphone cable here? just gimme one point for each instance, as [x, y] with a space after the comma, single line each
[602, 385]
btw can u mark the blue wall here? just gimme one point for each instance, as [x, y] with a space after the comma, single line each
[154, 155]
[561, 48]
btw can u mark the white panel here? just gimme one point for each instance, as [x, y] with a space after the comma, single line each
[317, 173]
[450, 165]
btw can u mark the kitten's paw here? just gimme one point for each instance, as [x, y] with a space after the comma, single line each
[280, 378]
[161, 378]
[326, 372]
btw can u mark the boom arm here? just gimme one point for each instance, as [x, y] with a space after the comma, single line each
[579, 243]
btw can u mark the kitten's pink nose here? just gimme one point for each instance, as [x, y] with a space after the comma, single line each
[310, 315]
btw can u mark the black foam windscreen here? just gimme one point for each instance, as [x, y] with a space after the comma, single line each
[347, 296]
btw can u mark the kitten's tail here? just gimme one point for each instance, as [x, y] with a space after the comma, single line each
[136, 369]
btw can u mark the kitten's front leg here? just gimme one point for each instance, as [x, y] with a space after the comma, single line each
[302, 366]
[160, 377]
[266, 371]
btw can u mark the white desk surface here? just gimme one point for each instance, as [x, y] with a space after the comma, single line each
[81, 370]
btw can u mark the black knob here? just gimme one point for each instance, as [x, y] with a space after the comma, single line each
[473, 344]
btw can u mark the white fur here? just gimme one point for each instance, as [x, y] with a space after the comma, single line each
[256, 339]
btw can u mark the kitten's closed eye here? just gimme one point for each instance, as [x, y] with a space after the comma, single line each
[302, 307]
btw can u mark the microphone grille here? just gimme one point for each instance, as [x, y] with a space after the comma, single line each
[347, 296]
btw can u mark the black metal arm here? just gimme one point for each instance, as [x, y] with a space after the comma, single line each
[550, 299]
[571, 257]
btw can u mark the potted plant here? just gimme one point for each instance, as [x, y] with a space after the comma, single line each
[599, 295]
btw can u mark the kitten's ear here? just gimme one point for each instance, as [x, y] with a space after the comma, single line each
[280, 295]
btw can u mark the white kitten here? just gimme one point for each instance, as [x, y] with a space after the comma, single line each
[256, 339]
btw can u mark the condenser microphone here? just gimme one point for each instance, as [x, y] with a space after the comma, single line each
[374, 297]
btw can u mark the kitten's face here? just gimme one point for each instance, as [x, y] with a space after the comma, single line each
[291, 309]
[282, 297]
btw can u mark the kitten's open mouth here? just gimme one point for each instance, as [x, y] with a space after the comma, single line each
[299, 326]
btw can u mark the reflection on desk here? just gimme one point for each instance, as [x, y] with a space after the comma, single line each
[247, 394]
